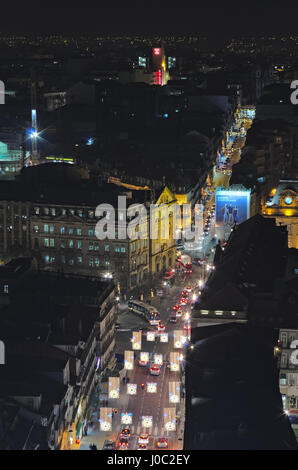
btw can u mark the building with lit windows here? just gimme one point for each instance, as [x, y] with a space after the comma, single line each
[288, 373]
[163, 248]
[282, 204]
[73, 319]
[159, 66]
[57, 225]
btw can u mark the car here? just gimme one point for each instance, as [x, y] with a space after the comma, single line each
[142, 363]
[173, 319]
[123, 446]
[108, 445]
[179, 313]
[188, 288]
[143, 447]
[176, 307]
[162, 443]
[117, 326]
[154, 370]
[143, 439]
[125, 433]
[161, 327]
[183, 301]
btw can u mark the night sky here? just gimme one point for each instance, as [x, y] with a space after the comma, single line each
[133, 17]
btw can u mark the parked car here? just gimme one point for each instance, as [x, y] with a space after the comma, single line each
[109, 445]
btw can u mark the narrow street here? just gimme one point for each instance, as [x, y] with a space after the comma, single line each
[145, 404]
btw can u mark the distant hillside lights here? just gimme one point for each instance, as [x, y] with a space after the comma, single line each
[2, 92]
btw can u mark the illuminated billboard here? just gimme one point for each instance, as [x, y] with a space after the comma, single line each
[231, 206]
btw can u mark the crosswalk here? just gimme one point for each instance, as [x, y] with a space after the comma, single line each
[152, 432]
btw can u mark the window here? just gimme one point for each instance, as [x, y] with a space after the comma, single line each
[283, 379]
[123, 249]
[117, 249]
[133, 246]
[52, 259]
[71, 262]
[36, 228]
[284, 360]
[47, 259]
[107, 263]
[96, 260]
[46, 210]
[90, 246]
[52, 230]
[62, 230]
[96, 246]
[71, 211]
[79, 231]
[53, 211]
[79, 245]
[63, 211]
[70, 244]
[5, 289]
[62, 244]
[80, 259]
[36, 209]
[91, 214]
[91, 232]
[63, 259]
[145, 243]
[91, 263]
[45, 228]
[80, 213]
[107, 248]
[46, 242]
[284, 339]
[70, 231]
[52, 242]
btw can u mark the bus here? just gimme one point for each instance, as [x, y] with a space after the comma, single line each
[147, 311]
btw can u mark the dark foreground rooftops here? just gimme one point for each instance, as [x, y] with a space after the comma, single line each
[232, 393]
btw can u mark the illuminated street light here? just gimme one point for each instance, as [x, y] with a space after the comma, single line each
[144, 356]
[151, 387]
[105, 419]
[158, 359]
[150, 336]
[170, 419]
[136, 340]
[164, 337]
[187, 316]
[147, 421]
[114, 387]
[174, 392]
[178, 339]
[131, 389]
[126, 418]
[128, 360]
[33, 135]
[174, 361]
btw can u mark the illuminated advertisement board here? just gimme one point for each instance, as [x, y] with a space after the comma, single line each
[231, 207]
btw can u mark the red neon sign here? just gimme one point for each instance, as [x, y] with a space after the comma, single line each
[156, 51]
